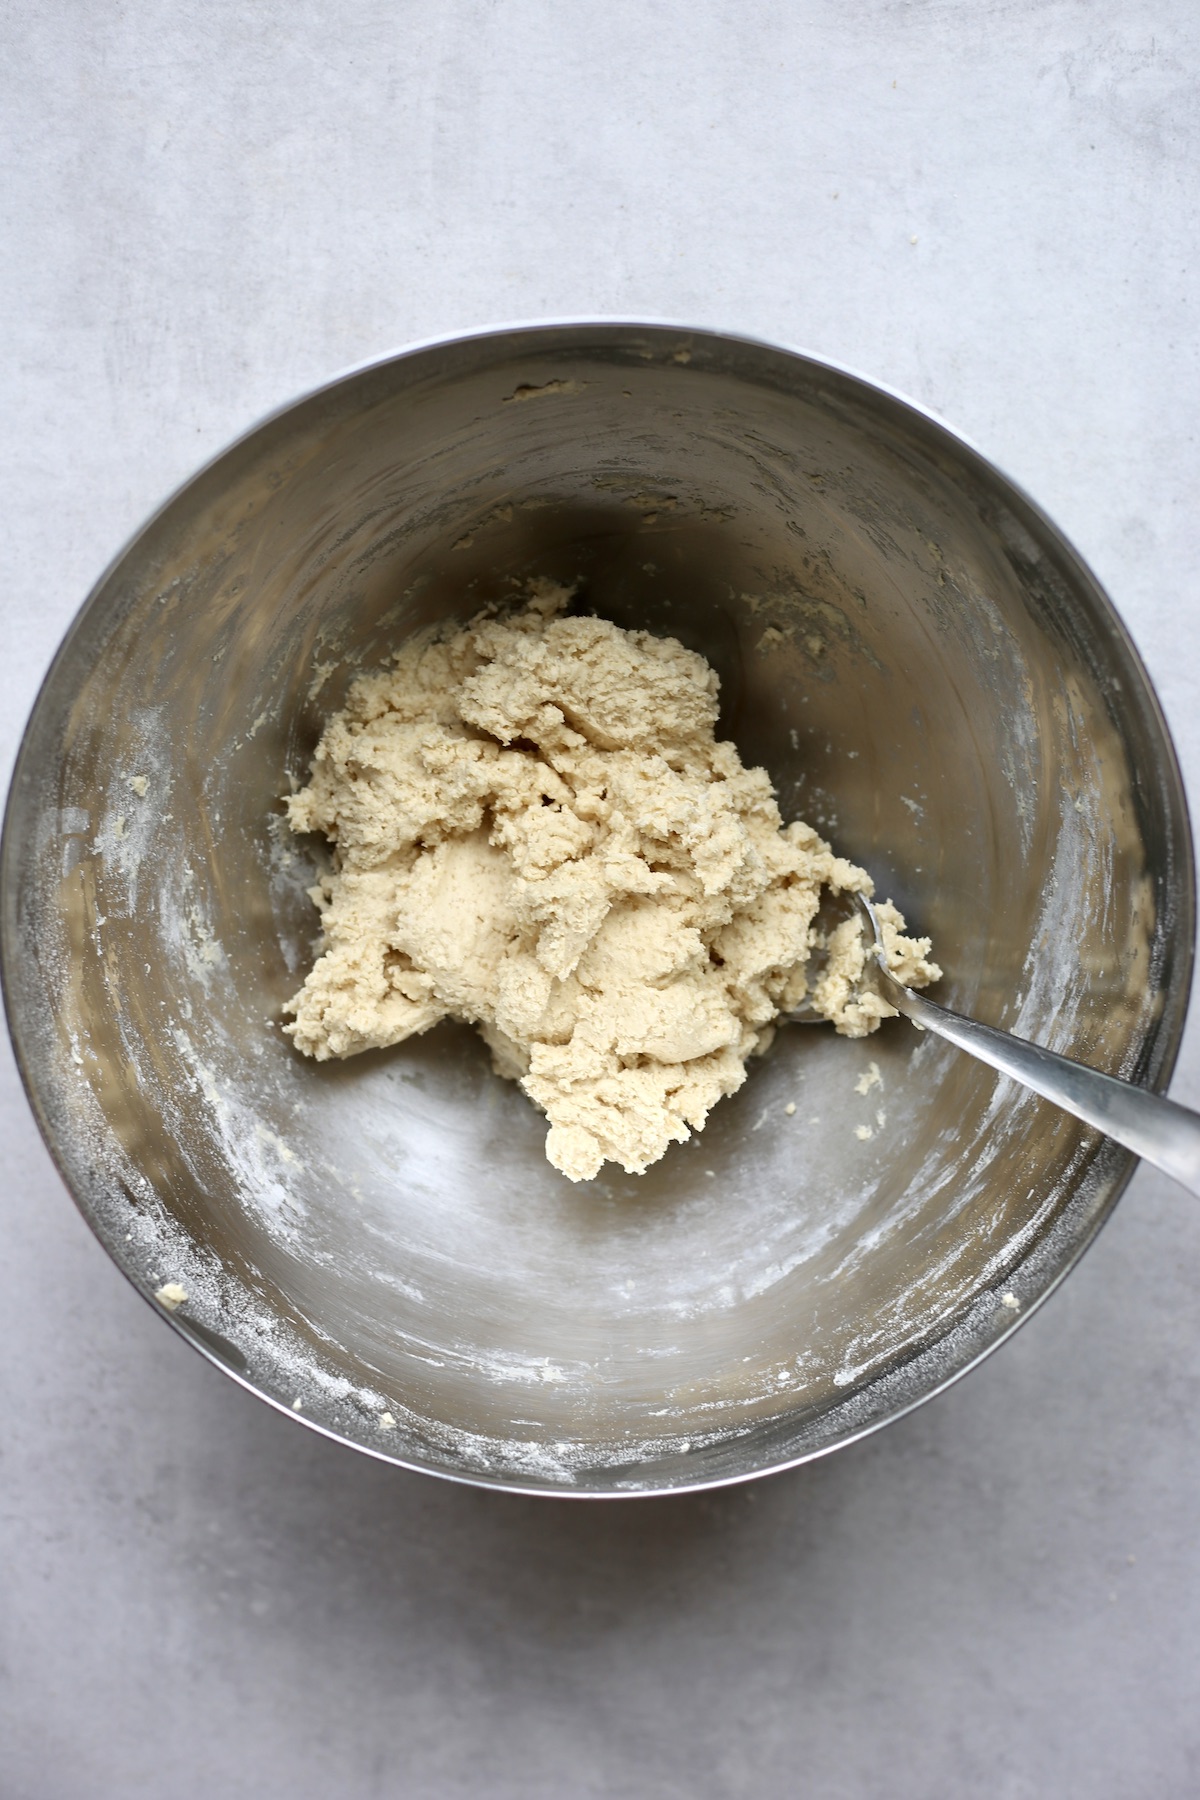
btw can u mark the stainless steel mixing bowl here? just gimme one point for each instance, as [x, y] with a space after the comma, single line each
[930, 675]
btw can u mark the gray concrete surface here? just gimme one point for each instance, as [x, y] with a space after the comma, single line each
[992, 205]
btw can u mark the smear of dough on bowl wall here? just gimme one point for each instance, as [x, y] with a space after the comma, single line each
[536, 831]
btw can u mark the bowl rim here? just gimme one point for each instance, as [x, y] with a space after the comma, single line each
[1084, 1232]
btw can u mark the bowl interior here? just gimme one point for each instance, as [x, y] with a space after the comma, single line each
[930, 677]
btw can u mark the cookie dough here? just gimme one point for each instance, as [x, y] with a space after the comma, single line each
[537, 831]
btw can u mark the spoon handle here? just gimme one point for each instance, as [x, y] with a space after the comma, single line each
[1154, 1128]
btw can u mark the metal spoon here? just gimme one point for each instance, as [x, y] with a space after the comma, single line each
[1156, 1129]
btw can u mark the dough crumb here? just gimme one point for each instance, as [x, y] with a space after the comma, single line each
[536, 831]
[869, 1078]
[864, 1133]
[790, 1108]
[170, 1295]
[1010, 1300]
[387, 1422]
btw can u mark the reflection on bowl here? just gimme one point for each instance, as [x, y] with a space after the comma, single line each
[931, 677]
